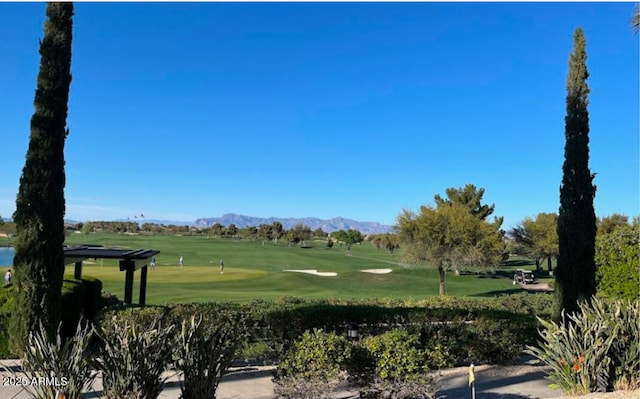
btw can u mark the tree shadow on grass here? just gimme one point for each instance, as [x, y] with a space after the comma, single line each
[510, 291]
[517, 263]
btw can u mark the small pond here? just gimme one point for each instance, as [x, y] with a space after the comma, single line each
[6, 256]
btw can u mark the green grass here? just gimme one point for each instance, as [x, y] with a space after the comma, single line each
[253, 271]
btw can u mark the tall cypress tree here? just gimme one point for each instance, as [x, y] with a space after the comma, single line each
[576, 271]
[40, 205]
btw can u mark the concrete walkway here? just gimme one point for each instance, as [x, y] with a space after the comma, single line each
[256, 383]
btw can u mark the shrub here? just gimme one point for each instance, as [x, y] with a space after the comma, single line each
[73, 298]
[256, 350]
[204, 355]
[617, 259]
[312, 368]
[397, 354]
[134, 357]
[399, 367]
[593, 349]
[93, 296]
[6, 302]
[498, 341]
[108, 319]
[63, 364]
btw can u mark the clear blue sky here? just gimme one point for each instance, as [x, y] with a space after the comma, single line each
[180, 111]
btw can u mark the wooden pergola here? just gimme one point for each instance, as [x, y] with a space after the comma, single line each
[129, 261]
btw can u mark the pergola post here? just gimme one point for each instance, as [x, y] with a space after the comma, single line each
[143, 284]
[128, 268]
[77, 272]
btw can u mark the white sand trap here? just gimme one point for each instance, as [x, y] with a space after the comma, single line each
[315, 273]
[377, 271]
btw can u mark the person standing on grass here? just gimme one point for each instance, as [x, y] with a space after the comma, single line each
[7, 277]
[181, 262]
[221, 266]
[153, 263]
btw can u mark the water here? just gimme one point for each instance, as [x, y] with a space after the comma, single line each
[6, 256]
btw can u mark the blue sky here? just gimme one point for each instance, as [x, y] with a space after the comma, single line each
[180, 111]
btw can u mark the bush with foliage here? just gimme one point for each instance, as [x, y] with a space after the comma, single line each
[617, 260]
[6, 302]
[398, 363]
[73, 296]
[80, 299]
[597, 348]
[93, 296]
[499, 341]
[64, 365]
[282, 322]
[312, 368]
[133, 358]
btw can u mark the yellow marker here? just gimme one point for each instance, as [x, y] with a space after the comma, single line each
[472, 376]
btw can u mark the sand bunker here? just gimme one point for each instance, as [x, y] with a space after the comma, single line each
[377, 271]
[315, 273]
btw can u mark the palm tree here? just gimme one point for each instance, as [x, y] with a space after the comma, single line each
[635, 21]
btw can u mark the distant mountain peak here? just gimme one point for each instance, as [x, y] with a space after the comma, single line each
[328, 225]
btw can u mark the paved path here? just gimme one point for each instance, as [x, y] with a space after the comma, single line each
[255, 383]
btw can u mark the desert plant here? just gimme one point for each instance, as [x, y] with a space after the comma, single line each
[134, 358]
[625, 349]
[596, 348]
[204, 355]
[63, 365]
[312, 368]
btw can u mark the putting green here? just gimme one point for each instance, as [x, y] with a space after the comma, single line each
[174, 274]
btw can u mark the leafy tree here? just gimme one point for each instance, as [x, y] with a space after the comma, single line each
[264, 232]
[618, 259]
[388, 241]
[539, 237]
[351, 237]
[319, 233]
[609, 223]
[40, 204]
[217, 230]
[87, 228]
[232, 230]
[449, 237]
[469, 197]
[299, 233]
[1, 221]
[340, 236]
[276, 231]
[576, 270]
[249, 232]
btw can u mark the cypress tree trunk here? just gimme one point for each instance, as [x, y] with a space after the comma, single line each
[576, 227]
[40, 205]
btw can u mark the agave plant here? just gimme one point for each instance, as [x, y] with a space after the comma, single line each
[204, 355]
[596, 348]
[56, 367]
[134, 359]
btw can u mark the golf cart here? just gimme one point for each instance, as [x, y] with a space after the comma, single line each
[523, 277]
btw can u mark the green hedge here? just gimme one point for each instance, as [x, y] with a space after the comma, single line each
[489, 329]
[77, 296]
[6, 301]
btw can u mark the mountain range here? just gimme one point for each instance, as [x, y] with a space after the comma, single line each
[327, 225]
